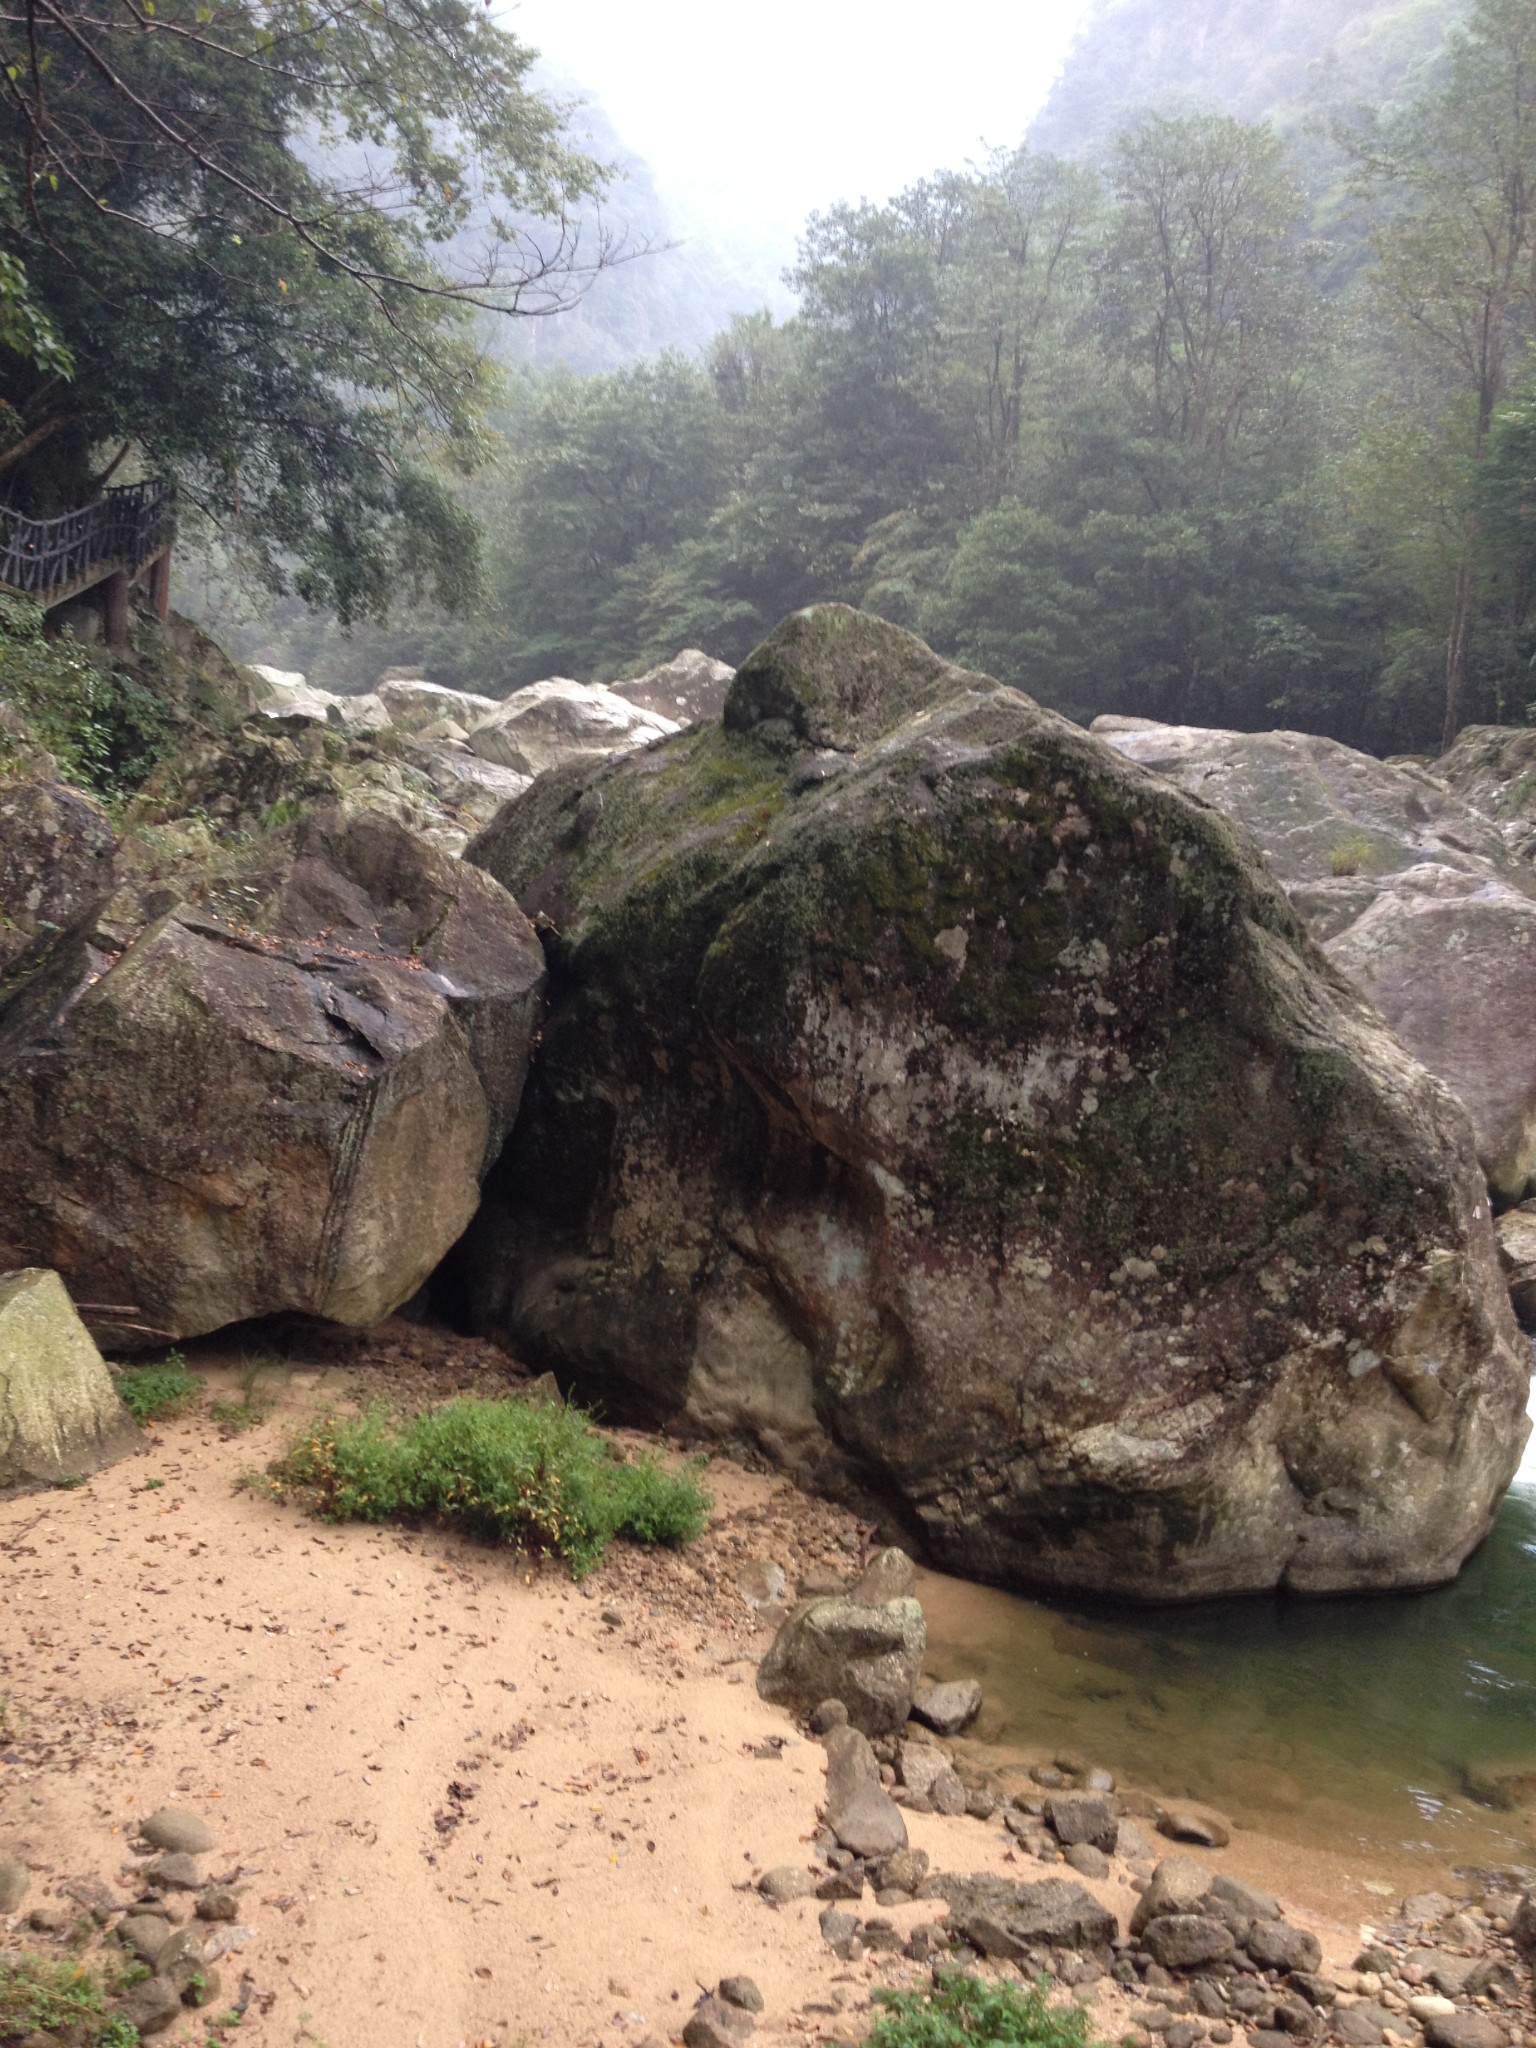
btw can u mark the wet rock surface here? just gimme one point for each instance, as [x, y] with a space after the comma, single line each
[839, 1144]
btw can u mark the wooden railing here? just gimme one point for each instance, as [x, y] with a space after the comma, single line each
[52, 559]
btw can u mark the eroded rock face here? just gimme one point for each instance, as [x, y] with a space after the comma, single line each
[281, 1095]
[937, 1099]
[60, 1416]
[1415, 892]
[1493, 768]
[56, 851]
[1450, 961]
[687, 689]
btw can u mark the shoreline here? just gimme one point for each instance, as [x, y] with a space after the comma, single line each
[446, 1783]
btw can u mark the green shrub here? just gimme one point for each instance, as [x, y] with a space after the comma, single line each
[105, 727]
[38, 1996]
[965, 2012]
[538, 1477]
[149, 1392]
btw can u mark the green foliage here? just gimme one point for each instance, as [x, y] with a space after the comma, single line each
[505, 1470]
[152, 1392]
[266, 272]
[43, 1996]
[105, 726]
[967, 2012]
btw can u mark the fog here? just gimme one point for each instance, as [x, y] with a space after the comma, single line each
[749, 118]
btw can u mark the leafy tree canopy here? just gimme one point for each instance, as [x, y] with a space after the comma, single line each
[250, 243]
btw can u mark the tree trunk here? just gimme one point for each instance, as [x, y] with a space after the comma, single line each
[1456, 646]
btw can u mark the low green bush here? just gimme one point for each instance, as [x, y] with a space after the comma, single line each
[105, 727]
[150, 1392]
[506, 1470]
[966, 2012]
[40, 1996]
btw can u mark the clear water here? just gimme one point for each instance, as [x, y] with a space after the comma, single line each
[1347, 1720]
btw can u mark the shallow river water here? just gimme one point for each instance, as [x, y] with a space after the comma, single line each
[1350, 1722]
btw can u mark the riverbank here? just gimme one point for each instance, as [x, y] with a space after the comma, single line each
[459, 1799]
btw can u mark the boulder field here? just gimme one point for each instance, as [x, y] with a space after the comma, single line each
[273, 1087]
[960, 1113]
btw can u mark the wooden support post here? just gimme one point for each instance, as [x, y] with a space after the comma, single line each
[114, 594]
[160, 585]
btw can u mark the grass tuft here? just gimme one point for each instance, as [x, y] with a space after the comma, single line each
[150, 1392]
[538, 1477]
[965, 2012]
[64, 1998]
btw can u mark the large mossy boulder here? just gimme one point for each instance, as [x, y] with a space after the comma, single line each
[60, 1416]
[276, 1091]
[961, 1113]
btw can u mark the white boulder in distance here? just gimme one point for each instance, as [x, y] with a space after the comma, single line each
[690, 687]
[560, 720]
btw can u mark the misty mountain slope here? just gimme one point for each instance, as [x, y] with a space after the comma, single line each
[1283, 61]
[667, 290]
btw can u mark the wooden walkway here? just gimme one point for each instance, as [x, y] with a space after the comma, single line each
[129, 529]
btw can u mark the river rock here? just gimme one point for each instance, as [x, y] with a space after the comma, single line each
[151, 2006]
[343, 1023]
[868, 1657]
[867, 1098]
[1276, 1945]
[1523, 1926]
[1085, 1860]
[1179, 1885]
[175, 1872]
[869, 1823]
[903, 1871]
[688, 688]
[56, 850]
[1187, 1941]
[1005, 1919]
[174, 1828]
[889, 1575]
[60, 1415]
[741, 1992]
[1194, 1824]
[785, 1882]
[1244, 1899]
[947, 1708]
[144, 1935]
[560, 721]
[1082, 1817]
[1462, 2030]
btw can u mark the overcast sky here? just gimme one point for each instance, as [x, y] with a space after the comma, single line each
[754, 115]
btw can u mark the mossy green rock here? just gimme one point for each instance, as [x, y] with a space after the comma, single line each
[60, 1416]
[938, 1101]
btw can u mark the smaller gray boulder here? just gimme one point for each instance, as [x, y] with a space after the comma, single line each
[869, 1657]
[1082, 1817]
[1187, 1941]
[1276, 1945]
[181, 1833]
[889, 1575]
[785, 1882]
[947, 1708]
[1179, 1885]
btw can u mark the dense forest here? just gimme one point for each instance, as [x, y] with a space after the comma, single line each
[1188, 415]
